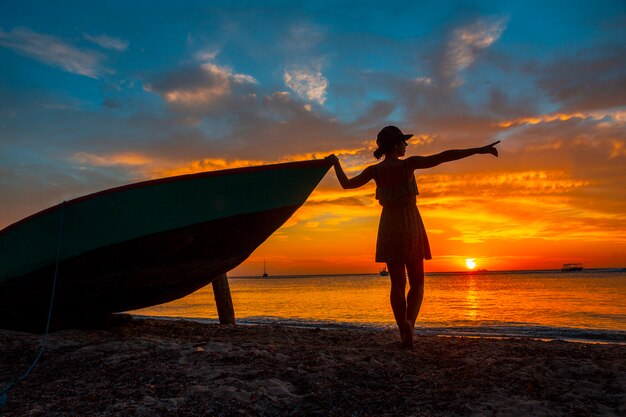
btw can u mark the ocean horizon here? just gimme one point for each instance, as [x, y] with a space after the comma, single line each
[435, 273]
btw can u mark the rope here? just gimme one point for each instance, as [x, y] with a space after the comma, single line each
[4, 393]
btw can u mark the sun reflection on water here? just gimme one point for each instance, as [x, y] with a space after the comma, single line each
[472, 298]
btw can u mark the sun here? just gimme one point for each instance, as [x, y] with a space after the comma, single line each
[470, 263]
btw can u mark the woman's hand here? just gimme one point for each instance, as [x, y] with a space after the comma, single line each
[356, 182]
[491, 148]
[332, 158]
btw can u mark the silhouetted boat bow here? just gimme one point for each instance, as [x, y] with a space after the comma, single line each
[146, 243]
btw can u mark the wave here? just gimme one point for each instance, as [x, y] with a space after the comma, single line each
[534, 332]
[489, 329]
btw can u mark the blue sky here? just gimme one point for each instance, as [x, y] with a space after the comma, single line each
[98, 95]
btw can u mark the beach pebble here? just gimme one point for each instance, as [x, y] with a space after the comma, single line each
[199, 390]
[277, 389]
[262, 353]
[228, 393]
[161, 404]
[215, 347]
[215, 374]
[37, 411]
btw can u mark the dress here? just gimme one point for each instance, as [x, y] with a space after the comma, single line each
[401, 233]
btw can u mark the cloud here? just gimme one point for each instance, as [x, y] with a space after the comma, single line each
[608, 118]
[542, 118]
[107, 42]
[509, 183]
[427, 81]
[53, 51]
[303, 37]
[308, 83]
[206, 55]
[207, 164]
[466, 43]
[589, 80]
[165, 168]
[590, 139]
[619, 148]
[198, 85]
[124, 158]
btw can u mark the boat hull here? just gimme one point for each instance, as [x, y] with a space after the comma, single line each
[156, 267]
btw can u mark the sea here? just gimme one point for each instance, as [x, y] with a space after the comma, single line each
[587, 306]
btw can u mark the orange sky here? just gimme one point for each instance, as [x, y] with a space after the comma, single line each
[531, 208]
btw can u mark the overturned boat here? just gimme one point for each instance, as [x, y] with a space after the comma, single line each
[145, 243]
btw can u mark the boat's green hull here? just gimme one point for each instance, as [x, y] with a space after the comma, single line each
[147, 243]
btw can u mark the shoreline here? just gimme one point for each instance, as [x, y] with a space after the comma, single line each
[180, 367]
[501, 331]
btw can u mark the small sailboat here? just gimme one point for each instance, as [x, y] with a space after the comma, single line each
[383, 272]
[265, 274]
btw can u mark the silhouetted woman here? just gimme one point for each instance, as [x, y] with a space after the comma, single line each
[402, 241]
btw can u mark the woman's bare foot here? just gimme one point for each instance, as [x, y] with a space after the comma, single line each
[407, 335]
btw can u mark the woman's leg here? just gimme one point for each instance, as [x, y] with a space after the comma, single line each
[397, 298]
[415, 270]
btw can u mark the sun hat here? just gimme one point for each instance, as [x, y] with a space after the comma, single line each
[390, 135]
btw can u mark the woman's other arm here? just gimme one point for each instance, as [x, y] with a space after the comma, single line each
[420, 162]
[360, 180]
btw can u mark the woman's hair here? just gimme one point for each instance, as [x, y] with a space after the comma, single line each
[388, 137]
[378, 153]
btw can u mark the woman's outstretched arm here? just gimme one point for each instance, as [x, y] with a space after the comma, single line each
[420, 162]
[360, 180]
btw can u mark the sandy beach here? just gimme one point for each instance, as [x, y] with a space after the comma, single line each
[184, 368]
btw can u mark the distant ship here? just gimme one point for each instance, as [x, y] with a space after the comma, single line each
[265, 274]
[383, 272]
[572, 267]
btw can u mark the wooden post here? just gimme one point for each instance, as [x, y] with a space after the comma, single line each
[223, 301]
